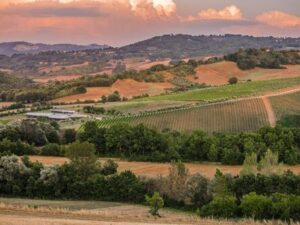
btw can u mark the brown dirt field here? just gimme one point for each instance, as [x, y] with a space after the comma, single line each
[219, 73]
[5, 104]
[56, 78]
[126, 87]
[156, 169]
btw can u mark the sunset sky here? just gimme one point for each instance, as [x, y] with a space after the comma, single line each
[119, 22]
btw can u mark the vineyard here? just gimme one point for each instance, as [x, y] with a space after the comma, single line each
[232, 116]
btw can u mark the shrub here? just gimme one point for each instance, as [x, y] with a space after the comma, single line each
[110, 167]
[233, 80]
[256, 206]
[53, 150]
[155, 202]
[221, 207]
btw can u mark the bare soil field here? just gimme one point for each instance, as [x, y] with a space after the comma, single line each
[219, 73]
[41, 212]
[126, 88]
[156, 169]
[56, 78]
[5, 104]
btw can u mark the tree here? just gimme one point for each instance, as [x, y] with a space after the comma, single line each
[233, 80]
[69, 136]
[155, 202]
[103, 99]
[249, 165]
[178, 176]
[270, 164]
[83, 157]
[110, 167]
[197, 191]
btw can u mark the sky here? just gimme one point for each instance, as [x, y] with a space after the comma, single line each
[121, 22]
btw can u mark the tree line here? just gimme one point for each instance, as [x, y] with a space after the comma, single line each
[141, 143]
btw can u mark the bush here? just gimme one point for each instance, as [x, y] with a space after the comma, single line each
[233, 80]
[220, 207]
[256, 206]
[53, 150]
[109, 168]
[155, 202]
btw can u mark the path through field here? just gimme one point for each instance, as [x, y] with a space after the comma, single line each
[270, 111]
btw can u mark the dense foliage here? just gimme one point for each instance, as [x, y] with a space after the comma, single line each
[142, 143]
[265, 58]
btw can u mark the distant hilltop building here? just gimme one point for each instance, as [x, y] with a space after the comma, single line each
[55, 114]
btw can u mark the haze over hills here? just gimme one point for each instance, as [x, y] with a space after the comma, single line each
[166, 46]
[10, 48]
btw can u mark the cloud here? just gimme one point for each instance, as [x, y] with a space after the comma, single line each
[231, 12]
[279, 19]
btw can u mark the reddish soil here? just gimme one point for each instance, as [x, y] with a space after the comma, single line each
[126, 88]
[5, 104]
[219, 73]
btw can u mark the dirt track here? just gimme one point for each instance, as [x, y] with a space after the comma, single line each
[270, 111]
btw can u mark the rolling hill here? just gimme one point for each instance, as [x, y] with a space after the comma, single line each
[11, 48]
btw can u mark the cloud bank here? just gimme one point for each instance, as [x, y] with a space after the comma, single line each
[118, 22]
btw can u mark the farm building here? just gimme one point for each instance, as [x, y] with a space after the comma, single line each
[55, 115]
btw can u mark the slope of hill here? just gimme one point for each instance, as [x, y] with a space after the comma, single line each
[10, 48]
[185, 46]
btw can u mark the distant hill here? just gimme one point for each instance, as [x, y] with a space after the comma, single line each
[185, 46]
[10, 48]
[167, 46]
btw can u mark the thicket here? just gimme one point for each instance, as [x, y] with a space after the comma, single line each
[265, 58]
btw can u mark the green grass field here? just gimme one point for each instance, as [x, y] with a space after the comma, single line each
[230, 91]
[287, 109]
[234, 116]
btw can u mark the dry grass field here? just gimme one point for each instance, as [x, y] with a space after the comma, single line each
[126, 88]
[43, 212]
[219, 73]
[156, 169]
[45, 80]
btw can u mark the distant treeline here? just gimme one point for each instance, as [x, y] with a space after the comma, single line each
[145, 144]
[264, 58]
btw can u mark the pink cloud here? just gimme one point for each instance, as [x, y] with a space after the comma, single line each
[231, 12]
[279, 19]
